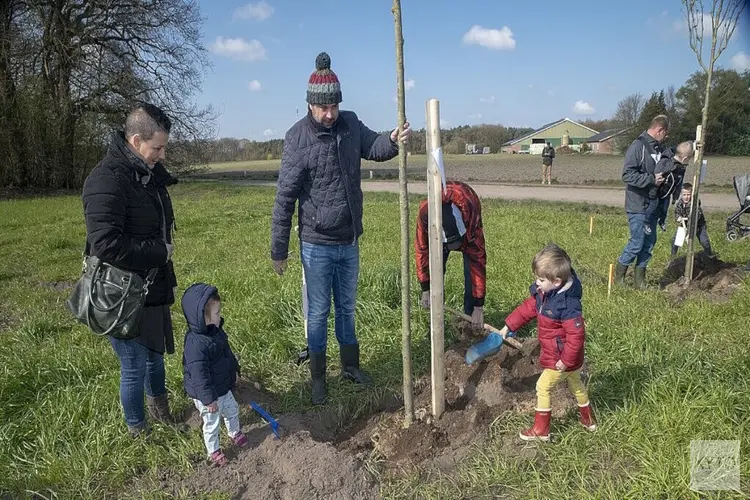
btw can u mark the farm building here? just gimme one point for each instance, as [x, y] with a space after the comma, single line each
[560, 133]
[605, 142]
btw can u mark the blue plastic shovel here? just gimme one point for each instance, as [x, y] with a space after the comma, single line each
[268, 418]
[489, 346]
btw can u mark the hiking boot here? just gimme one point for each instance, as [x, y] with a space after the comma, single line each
[620, 271]
[350, 365]
[318, 377]
[218, 458]
[141, 429]
[540, 430]
[158, 409]
[587, 417]
[639, 278]
[240, 439]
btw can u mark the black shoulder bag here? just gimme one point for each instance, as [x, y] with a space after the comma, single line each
[109, 300]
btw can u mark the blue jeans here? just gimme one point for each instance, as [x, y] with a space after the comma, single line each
[141, 369]
[468, 288]
[640, 246]
[330, 268]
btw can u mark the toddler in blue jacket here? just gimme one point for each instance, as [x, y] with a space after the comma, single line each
[210, 368]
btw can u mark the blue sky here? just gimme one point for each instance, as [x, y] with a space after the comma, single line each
[491, 61]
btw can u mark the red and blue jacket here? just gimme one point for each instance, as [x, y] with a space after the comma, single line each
[560, 324]
[467, 201]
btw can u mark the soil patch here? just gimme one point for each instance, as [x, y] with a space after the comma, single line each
[318, 458]
[713, 279]
[475, 396]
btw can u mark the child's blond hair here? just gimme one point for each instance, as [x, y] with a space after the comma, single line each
[685, 149]
[552, 262]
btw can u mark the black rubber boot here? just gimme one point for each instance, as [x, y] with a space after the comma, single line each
[350, 365]
[640, 278]
[318, 376]
[620, 271]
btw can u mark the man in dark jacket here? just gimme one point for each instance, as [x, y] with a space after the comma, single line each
[129, 221]
[320, 169]
[639, 177]
[548, 154]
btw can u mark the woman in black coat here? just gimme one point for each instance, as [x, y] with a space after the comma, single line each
[129, 222]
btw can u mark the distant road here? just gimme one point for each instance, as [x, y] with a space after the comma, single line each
[715, 202]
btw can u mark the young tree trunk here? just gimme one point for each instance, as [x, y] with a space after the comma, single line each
[405, 240]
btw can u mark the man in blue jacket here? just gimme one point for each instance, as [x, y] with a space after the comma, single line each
[639, 177]
[320, 169]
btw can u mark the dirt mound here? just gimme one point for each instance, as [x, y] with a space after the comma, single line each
[713, 279]
[318, 458]
[475, 396]
[294, 467]
[302, 464]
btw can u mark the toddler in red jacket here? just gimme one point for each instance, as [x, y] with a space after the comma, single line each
[555, 302]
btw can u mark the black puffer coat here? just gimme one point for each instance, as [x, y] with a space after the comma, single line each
[129, 217]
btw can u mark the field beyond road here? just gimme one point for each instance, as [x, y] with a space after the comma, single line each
[663, 369]
[509, 168]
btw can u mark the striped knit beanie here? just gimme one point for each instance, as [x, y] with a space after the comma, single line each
[323, 87]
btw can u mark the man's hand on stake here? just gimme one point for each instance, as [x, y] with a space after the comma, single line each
[403, 136]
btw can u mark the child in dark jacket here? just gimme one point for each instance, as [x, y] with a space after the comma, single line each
[210, 368]
[671, 166]
[556, 304]
[682, 217]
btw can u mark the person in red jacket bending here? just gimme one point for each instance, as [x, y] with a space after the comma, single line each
[462, 232]
[555, 302]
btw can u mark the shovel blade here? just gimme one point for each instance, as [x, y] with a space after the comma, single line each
[487, 347]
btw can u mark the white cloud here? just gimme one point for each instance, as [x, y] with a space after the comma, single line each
[681, 25]
[408, 85]
[444, 123]
[488, 100]
[255, 85]
[501, 39]
[239, 49]
[268, 132]
[740, 61]
[583, 108]
[259, 11]
[475, 116]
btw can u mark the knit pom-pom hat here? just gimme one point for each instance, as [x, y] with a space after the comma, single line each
[323, 87]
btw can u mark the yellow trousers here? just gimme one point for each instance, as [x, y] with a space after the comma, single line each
[550, 378]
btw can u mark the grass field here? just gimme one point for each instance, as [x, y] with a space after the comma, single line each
[661, 374]
[567, 169]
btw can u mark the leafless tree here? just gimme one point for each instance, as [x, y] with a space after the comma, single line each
[629, 110]
[723, 16]
[81, 65]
